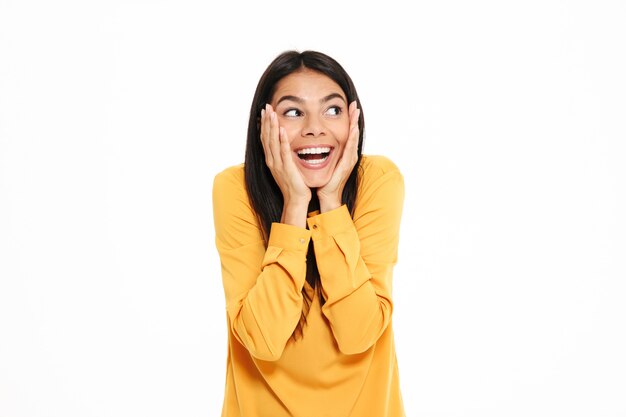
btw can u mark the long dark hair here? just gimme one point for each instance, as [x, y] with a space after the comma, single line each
[264, 194]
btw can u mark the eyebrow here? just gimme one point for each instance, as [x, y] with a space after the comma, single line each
[300, 100]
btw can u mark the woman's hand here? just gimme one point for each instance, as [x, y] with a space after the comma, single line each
[279, 159]
[330, 194]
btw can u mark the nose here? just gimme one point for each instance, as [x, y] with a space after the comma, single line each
[313, 126]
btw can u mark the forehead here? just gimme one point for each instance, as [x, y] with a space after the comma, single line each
[307, 84]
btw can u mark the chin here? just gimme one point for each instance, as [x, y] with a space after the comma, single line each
[316, 181]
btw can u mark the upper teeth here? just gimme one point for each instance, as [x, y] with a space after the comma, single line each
[313, 151]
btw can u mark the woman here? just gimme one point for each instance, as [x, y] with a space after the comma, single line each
[307, 233]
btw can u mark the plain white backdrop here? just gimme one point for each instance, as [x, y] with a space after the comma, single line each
[506, 118]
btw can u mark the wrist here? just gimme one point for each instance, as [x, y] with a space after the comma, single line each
[329, 203]
[295, 212]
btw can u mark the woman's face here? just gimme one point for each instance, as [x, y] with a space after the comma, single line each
[313, 109]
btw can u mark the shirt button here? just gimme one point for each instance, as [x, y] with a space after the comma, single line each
[301, 241]
[314, 226]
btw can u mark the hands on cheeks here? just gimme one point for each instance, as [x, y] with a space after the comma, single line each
[330, 194]
[279, 159]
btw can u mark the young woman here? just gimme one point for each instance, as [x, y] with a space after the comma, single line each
[307, 233]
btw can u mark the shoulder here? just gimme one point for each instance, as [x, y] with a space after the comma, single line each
[375, 167]
[380, 184]
[229, 189]
[235, 221]
[233, 175]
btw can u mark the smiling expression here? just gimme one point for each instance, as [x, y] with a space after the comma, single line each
[313, 109]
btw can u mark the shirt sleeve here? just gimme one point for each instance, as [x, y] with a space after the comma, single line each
[262, 286]
[355, 258]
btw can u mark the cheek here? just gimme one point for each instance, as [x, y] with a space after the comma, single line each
[342, 135]
[291, 128]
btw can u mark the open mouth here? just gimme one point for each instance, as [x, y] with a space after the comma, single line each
[314, 156]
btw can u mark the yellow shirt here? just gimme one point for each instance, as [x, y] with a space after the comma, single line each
[345, 364]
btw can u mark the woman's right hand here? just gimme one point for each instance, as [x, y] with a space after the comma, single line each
[279, 159]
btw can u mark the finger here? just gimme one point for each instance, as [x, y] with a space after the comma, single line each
[265, 136]
[352, 145]
[354, 114]
[354, 131]
[285, 148]
[273, 138]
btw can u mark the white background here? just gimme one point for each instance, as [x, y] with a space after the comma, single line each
[506, 118]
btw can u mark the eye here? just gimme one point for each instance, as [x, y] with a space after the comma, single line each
[292, 113]
[334, 111]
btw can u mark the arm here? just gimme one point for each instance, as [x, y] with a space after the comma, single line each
[356, 258]
[262, 285]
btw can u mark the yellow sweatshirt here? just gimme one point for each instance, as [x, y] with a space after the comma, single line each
[345, 364]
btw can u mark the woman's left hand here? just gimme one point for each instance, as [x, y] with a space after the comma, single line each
[330, 194]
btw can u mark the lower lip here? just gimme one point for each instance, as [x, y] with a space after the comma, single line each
[316, 166]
